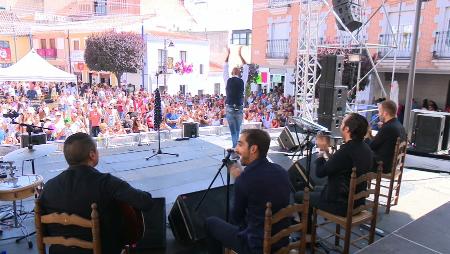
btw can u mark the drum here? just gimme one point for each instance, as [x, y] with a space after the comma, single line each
[20, 187]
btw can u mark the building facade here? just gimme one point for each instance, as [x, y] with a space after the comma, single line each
[276, 32]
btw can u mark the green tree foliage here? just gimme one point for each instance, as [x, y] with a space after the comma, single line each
[115, 52]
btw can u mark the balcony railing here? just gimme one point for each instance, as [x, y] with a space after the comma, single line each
[278, 49]
[403, 49]
[441, 47]
[279, 3]
[47, 53]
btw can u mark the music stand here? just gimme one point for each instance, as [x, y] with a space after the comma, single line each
[157, 123]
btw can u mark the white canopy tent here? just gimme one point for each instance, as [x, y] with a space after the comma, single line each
[33, 67]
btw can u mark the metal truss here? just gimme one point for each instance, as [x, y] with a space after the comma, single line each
[306, 77]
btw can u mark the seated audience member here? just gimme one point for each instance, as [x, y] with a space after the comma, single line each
[75, 189]
[260, 182]
[333, 196]
[383, 144]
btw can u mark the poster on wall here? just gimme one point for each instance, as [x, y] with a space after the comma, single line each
[5, 52]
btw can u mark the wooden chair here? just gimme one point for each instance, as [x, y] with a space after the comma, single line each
[66, 219]
[395, 176]
[355, 215]
[284, 213]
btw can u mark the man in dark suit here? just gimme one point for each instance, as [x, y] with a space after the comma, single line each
[260, 182]
[333, 196]
[383, 144]
[74, 190]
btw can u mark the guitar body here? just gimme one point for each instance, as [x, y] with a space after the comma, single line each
[133, 226]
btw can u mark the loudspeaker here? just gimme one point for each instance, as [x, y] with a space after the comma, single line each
[187, 224]
[429, 132]
[446, 137]
[155, 226]
[36, 139]
[288, 139]
[413, 123]
[331, 71]
[349, 11]
[332, 101]
[333, 123]
[190, 130]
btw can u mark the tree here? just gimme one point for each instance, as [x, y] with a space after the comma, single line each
[114, 52]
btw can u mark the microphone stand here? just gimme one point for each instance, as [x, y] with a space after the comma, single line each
[224, 163]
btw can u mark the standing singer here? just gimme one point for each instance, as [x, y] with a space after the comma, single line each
[235, 87]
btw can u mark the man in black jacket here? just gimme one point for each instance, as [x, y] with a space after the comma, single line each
[383, 144]
[259, 183]
[74, 190]
[333, 196]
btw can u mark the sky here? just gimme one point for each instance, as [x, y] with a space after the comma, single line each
[219, 15]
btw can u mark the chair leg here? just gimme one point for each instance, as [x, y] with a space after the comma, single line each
[397, 191]
[389, 197]
[338, 233]
[348, 233]
[313, 232]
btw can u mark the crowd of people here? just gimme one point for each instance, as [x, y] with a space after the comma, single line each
[102, 110]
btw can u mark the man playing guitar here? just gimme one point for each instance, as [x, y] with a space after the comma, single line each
[75, 189]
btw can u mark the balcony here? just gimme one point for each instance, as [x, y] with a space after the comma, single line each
[279, 3]
[441, 47]
[47, 53]
[277, 49]
[403, 45]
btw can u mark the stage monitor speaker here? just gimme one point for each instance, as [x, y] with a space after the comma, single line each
[155, 226]
[188, 225]
[349, 11]
[288, 139]
[36, 139]
[190, 130]
[331, 71]
[413, 123]
[333, 124]
[332, 101]
[429, 133]
[446, 137]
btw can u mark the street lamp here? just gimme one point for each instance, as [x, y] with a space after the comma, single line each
[164, 70]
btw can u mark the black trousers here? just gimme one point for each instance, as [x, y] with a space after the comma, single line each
[222, 234]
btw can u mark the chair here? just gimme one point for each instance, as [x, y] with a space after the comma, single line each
[395, 176]
[284, 213]
[355, 215]
[66, 219]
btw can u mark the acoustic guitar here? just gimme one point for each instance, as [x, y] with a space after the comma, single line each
[133, 226]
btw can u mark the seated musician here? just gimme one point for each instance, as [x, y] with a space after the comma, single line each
[260, 182]
[333, 196]
[75, 189]
[383, 144]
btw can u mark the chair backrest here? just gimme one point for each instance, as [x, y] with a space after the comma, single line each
[398, 160]
[353, 195]
[66, 219]
[284, 213]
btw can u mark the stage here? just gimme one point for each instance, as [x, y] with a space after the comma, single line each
[169, 176]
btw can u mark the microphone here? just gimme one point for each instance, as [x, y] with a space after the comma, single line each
[229, 152]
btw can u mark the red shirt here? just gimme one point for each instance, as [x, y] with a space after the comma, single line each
[94, 118]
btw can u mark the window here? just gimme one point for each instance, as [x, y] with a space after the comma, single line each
[162, 54]
[183, 56]
[241, 37]
[76, 44]
[52, 44]
[201, 68]
[100, 7]
[217, 88]
[43, 43]
[182, 89]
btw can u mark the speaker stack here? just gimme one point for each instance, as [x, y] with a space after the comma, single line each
[429, 132]
[332, 95]
[187, 224]
[349, 11]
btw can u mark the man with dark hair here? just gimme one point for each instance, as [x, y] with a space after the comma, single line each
[235, 87]
[74, 190]
[333, 196]
[260, 182]
[383, 144]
